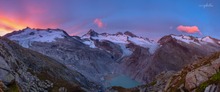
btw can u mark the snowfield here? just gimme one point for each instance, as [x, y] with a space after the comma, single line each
[30, 35]
[122, 40]
[187, 39]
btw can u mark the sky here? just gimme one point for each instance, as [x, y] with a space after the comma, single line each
[147, 18]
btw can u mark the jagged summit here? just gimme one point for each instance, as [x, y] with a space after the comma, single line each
[119, 38]
[189, 39]
[91, 32]
[130, 34]
[34, 29]
[119, 33]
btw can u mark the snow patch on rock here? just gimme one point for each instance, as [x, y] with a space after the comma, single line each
[198, 41]
[185, 39]
[113, 38]
[85, 37]
[123, 40]
[126, 51]
[90, 43]
[145, 43]
[207, 39]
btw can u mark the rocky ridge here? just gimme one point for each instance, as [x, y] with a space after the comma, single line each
[198, 76]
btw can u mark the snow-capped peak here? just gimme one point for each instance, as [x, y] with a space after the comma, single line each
[207, 39]
[144, 43]
[128, 33]
[90, 33]
[26, 36]
[196, 40]
[186, 39]
[120, 38]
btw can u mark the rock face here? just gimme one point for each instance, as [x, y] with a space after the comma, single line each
[91, 33]
[2, 86]
[71, 52]
[26, 70]
[200, 76]
[173, 54]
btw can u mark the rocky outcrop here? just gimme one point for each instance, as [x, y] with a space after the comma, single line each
[197, 76]
[173, 55]
[201, 74]
[2, 86]
[130, 34]
[137, 63]
[112, 48]
[92, 63]
[91, 32]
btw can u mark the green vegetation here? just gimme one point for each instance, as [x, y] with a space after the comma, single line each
[213, 80]
[176, 82]
[13, 87]
[121, 89]
[216, 77]
[153, 83]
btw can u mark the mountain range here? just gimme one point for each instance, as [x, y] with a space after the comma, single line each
[51, 60]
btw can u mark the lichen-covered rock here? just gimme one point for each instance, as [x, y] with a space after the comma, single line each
[201, 74]
[196, 77]
[2, 86]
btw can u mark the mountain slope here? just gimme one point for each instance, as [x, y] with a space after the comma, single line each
[101, 57]
[120, 38]
[172, 54]
[25, 70]
[179, 52]
[95, 64]
[201, 76]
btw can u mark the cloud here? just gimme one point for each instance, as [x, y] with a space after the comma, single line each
[98, 22]
[8, 25]
[188, 29]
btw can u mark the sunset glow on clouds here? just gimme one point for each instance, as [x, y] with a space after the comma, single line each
[188, 29]
[8, 25]
[148, 18]
[98, 22]
[20, 17]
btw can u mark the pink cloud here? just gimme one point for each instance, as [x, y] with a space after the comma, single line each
[98, 22]
[188, 29]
